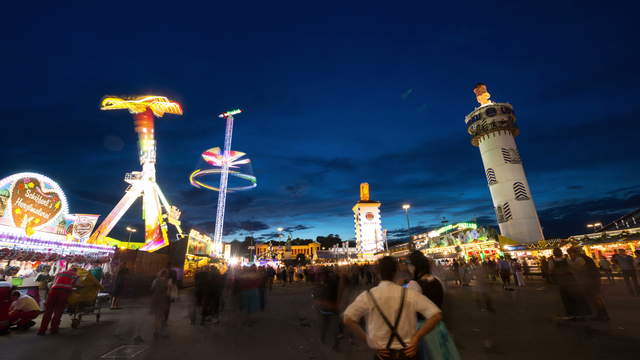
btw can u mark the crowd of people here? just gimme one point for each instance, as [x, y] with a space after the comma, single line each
[401, 300]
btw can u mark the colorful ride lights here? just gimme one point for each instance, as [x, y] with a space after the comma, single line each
[229, 113]
[193, 179]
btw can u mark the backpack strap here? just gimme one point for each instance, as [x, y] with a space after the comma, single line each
[393, 328]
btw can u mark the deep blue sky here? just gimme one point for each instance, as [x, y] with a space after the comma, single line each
[334, 94]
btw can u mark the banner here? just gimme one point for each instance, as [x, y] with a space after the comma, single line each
[32, 202]
[83, 226]
[198, 244]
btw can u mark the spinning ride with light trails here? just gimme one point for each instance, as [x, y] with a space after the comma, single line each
[226, 163]
[143, 183]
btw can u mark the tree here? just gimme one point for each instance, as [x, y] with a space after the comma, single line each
[328, 241]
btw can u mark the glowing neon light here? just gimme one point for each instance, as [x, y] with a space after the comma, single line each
[158, 104]
[223, 162]
[35, 204]
[230, 113]
[142, 183]
[199, 184]
[458, 226]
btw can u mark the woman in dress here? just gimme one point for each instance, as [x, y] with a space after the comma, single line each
[437, 345]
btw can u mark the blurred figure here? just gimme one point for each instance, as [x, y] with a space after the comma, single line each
[570, 293]
[248, 284]
[403, 275]
[326, 300]
[160, 302]
[455, 267]
[282, 275]
[119, 286]
[172, 292]
[588, 277]
[57, 300]
[526, 269]
[270, 273]
[606, 268]
[213, 295]
[544, 269]
[504, 269]
[97, 272]
[290, 273]
[5, 303]
[391, 316]
[201, 290]
[625, 262]
[24, 309]
[518, 273]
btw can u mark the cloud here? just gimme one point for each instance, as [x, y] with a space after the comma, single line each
[570, 217]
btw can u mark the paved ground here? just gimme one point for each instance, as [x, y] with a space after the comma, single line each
[523, 328]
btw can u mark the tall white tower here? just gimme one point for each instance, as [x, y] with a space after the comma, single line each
[369, 236]
[492, 127]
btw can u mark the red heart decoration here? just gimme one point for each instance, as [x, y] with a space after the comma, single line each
[31, 207]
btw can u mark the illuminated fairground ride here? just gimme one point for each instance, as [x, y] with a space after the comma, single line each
[225, 163]
[143, 183]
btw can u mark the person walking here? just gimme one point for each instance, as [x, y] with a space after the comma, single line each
[588, 277]
[504, 269]
[606, 268]
[172, 292]
[215, 289]
[389, 302]
[518, 273]
[118, 287]
[160, 302]
[326, 300]
[571, 295]
[625, 262]
[544, 269]
[57, 300]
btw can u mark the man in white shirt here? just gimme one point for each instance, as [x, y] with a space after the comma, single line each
[23, 310]
[391, 334]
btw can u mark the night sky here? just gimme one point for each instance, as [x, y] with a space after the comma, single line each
[334, 94]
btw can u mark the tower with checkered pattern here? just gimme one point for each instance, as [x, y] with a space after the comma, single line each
[493, 128]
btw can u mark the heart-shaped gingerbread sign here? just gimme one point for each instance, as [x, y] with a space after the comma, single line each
[31, 206]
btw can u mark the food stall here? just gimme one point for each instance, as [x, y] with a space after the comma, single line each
[38, 236]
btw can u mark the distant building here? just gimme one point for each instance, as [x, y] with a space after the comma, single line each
[268, 252]
[368, 225]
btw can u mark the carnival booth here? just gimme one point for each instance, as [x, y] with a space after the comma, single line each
[605, 244]
[38, 236]
[464, 240]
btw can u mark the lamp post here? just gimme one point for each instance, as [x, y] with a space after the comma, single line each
[131, 230]
[595, 226]
[406, 208]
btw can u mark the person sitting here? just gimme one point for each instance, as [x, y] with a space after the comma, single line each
[23, 310]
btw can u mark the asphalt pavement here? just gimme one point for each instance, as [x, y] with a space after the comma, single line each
[524, 326]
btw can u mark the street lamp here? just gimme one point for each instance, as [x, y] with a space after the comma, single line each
[406, 208]
[595, 226]
[131, 230]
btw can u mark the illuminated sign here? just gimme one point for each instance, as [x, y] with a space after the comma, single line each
[81, 226]
[32, 202]
[198, 244]
[458, 226]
